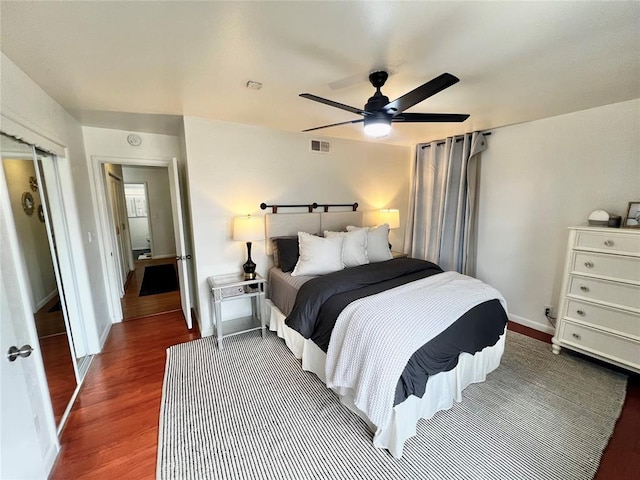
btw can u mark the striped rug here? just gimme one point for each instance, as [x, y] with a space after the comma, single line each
[250, 412]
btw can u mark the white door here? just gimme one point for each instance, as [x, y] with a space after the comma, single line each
[181, 253]
[28, 442]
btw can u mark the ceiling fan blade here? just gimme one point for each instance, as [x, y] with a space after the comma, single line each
[419, 94]
[334, 125]
[331, 103]
[430, 117]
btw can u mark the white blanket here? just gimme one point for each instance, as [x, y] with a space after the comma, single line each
[375, 337]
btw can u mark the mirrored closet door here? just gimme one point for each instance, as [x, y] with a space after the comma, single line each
[61, 337]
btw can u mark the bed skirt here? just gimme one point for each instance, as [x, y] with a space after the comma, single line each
[442, 389]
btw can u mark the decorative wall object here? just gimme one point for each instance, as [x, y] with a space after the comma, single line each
[33, 184]
[28, 205]
[40, 213]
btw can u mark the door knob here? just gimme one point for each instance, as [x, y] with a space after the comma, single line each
[23, 352]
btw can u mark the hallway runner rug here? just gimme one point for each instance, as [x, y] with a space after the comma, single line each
[158, 279]
[250, 412]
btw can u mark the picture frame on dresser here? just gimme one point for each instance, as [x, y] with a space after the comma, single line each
[632, 219]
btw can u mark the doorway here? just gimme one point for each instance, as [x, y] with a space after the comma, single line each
[166, 237]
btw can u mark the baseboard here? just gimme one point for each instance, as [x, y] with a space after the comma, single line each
[105, 335]
[50, 457]
[45, 300]
[171, 255]
[195, 320]
[207, 333]
[541, 327]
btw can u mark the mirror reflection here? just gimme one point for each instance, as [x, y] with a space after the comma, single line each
[28, 204]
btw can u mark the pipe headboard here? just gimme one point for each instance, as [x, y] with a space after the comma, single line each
[289, 224]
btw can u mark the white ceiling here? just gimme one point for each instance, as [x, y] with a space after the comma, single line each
[517, 61]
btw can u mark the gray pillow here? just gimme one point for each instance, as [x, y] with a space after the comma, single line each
[285, 252]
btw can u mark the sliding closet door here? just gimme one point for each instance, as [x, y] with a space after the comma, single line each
[59, 246]
[28, 444]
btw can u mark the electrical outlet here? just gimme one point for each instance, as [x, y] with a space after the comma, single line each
[548, 310]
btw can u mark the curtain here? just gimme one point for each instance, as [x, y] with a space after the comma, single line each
[442, 202]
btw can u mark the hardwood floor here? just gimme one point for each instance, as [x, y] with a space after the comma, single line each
[53, 339]
[49, 320]
[56, 356]
[112, 431]
[134, 306]
[58, 368]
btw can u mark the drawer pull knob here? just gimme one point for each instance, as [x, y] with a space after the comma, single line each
[580, 312]
[588, 264]
[576, 336]
[608, 243]
[584, 288]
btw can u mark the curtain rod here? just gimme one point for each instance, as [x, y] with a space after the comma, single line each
[486, 134]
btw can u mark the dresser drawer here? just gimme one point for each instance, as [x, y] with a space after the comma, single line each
[611, 266]
[610, 242]
[626, 323]
[611, 293]
[618, 348]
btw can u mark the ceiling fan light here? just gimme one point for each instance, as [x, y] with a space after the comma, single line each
[377, 127]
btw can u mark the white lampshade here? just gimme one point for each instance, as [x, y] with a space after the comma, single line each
[248, 228]
[390, 216]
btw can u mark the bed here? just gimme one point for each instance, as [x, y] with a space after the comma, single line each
[396, 339]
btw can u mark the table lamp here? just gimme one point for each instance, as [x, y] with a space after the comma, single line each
[390, 216]
[248, 229]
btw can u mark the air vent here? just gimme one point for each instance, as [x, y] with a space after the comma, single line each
[320, 146]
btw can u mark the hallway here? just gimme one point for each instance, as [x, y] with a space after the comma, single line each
[135, 306]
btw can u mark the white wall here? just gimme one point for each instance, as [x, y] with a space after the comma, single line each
[111, 146]
[539, 178]
[158, 208]
[32, 233]
[232, 168]
[106, 142]
[28, 112]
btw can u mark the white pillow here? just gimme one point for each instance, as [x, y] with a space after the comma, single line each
[318, 255]
[354, 249]
[377, 242]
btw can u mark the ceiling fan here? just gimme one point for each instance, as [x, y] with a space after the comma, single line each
[379, 112]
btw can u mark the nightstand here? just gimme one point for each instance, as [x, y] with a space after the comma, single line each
[398, 254]
[234, 287]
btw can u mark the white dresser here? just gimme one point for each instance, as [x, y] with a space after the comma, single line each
[599, 312]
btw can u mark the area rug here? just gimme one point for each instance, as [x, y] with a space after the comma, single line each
[158, 279]
[56, 307]
[250, 412]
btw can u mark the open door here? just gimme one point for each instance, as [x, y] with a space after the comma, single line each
[181, 254]
[115, 197]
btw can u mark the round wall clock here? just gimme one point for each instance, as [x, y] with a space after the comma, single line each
[28, 205]
[134, 140]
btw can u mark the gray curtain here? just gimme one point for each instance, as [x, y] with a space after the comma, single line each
[442, 202]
